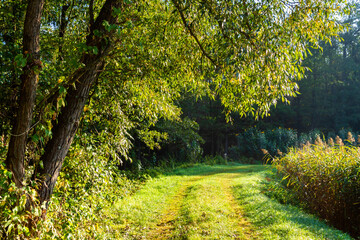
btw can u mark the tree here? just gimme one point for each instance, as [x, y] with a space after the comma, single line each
[247, 53]
[328, 99]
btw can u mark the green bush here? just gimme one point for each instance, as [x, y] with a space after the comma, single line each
[212, 160]
[253, 141]
[236, 155]
[89, 183]
[19, 208]
[327, 180]
[13, 217]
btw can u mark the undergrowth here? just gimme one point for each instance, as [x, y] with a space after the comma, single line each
[80, 208]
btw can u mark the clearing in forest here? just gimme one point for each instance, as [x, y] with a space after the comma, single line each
[212, 202]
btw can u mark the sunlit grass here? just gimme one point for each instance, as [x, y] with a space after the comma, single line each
[134, 216]
[207, 213]
[274, 220]
[211, 202]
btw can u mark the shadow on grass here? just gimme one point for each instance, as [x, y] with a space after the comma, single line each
[206, 170]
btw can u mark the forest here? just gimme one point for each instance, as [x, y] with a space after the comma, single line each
[179, 119]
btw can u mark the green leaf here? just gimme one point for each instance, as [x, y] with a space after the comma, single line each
[35, 138]
[95, 50]
[62, 90]
[20, 60]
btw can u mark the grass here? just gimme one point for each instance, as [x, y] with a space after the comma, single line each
[208, 213]
[211, 202]
[274, 220]
[134, 216]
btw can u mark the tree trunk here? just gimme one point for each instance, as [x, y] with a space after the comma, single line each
[69, 118]
[64, 131]
[29, 79]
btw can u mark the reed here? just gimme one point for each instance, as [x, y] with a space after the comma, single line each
[327, 179]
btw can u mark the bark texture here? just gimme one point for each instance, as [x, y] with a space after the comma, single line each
[29, 78]
[69, 118]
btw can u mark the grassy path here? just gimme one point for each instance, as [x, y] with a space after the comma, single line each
[209, 211]
[212, 202]
[165, 226]
[238, 213]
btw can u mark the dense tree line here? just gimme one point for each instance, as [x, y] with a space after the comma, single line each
[329, 97]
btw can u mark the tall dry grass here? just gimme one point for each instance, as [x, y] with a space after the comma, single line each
[326, 177]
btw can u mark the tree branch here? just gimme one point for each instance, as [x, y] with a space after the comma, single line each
[91, 12]
[193, 34]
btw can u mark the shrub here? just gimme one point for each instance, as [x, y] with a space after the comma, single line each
[87, 186]
[16, 212]
[236, 155]
[183, 142]
[212, 160]
[275, 141]
[13, 218]
[327, 180]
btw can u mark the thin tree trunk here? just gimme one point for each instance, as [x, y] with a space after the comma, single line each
[29, 79]
[69, 118]
[91, 13]
[63, 24]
